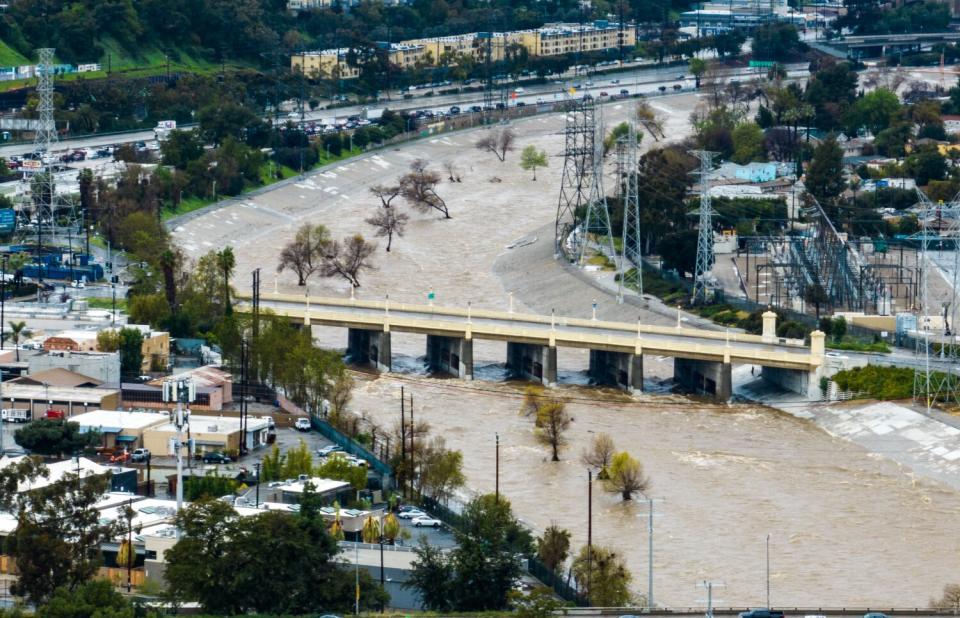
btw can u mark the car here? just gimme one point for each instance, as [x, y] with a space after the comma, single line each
[327, 450]
[762, 613]
[677, 86]
[476, 109]
[411, 514]
[521, 104]
[624, 92]
[408, 507]
[121, 457]
[216, 458]
[140, 454]
[604, 93]
[302, 424]
[454, 110]
[681, 76]
[875, 615]
[430, 522]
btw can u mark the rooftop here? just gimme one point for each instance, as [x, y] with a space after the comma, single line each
[217, 424]
[58, 376]
[81, 395]
[321, 486]
[114, 421]
[58, 470]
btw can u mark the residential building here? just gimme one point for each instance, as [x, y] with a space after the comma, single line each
[120, 428]
[155, 348]
[207, 376]
[550, 40]
[102, 366]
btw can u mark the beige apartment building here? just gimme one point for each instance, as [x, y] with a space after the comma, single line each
[551, 40]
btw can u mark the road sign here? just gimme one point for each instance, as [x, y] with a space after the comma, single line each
[431, 295]
[762, 63]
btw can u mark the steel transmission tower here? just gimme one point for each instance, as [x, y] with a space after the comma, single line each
[578, 154]
[44, 188]
[934, 379]
[597, 220]
[629, 196]
[705, 232]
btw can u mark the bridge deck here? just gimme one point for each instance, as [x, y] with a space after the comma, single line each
[543, 330]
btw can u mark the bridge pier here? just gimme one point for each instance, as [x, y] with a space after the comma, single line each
[704, 377]
[453, 355]
[618, 369]
[369, 347]
[532, 362]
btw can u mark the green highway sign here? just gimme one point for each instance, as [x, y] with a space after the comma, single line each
[762, 63]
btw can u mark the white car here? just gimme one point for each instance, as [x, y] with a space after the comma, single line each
[302, 424]
[420, 522]
[411, 515]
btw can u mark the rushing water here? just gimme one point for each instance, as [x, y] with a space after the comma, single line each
[847, 527]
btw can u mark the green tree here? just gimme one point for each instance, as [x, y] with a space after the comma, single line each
[815, 295]
[54, 437]
[603, 574]
[698, 67]
[553, 546]
[227, 262]
[540, 603]
[747, 143]
[531, 158]
[441, 470]
[59, 530]
[18, 330]
[874, 111]
[287, 560]
[338, 468]
[481, 570]
[626, 476]
[926, 164]
[131, 351]
[824, 179]
[679, 251]
[94, 599]
[839, 328]
[180, 148]
[776, 41]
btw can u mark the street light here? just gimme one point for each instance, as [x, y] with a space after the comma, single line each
[256, 504]
[113, 316]
[3, 294]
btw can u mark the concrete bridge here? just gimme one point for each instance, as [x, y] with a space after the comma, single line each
[702, 359]
[884, 44]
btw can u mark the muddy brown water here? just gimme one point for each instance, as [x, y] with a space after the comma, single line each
[847, 527]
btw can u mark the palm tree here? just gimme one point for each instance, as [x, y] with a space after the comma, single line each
[17, 330]
[227, 262]
[168, 261]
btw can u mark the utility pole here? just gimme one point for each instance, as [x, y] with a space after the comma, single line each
[709, 586]
[497, 482]
[589, 529]
[768, 570]
[403, 442]
[182, 391]
[413, 434]
[256, 504]
[3, 297]
[243, 398]
[705, 232]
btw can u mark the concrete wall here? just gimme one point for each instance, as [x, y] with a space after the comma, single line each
[369, 347]
[791, 379]
[617, 369]
[704, 377]
[532, 362]
[453, 355]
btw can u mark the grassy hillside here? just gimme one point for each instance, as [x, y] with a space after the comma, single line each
[9, 57]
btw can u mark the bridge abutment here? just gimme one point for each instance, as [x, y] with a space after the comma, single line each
[704, 377]
[369, 347]
[532, 362]
[452, 355]
[617, 369]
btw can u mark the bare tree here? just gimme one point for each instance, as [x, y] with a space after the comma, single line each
[387, 221]
[650, 119]
[386, 193]
[599, 454]
[419, 188]
[950, 599]
[498, 141]
[552, 422]
[347, 259]
[453, 172]
[301, 255]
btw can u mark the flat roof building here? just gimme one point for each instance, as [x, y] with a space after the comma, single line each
[120, 428]
[208, 434]
[68, 400]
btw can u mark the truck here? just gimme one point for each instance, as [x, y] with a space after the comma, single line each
[163, 129]
[15, 415]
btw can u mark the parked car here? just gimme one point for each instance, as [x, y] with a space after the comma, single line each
[624, 92]
[421, 522]
[411, 514]
[121, 457]
[302, 424]
[327, 450]
[215, 458]
[407, 507]
[140, 454]
[454, 110]
[763, 613]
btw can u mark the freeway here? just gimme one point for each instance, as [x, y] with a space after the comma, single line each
[638, 81]
[544, 330]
